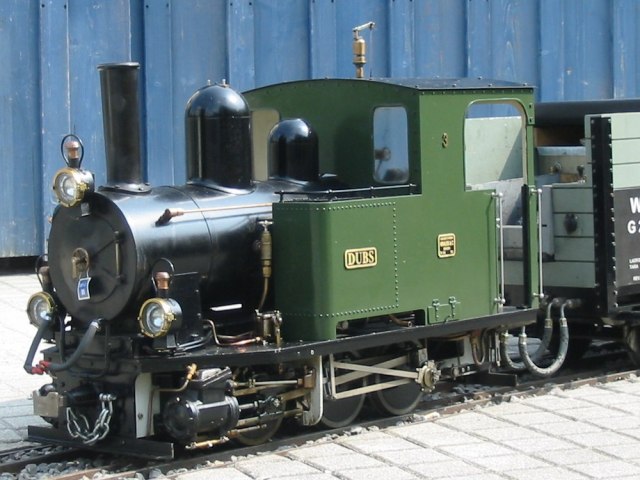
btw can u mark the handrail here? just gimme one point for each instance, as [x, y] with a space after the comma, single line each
[346, 192]
[538, 194]
[500, 227]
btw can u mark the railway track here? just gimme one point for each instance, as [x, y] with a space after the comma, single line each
[71, 464]
[17, 459]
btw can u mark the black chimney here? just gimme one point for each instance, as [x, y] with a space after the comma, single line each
[121, 119]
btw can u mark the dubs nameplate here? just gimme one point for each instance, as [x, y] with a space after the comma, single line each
[360, 258]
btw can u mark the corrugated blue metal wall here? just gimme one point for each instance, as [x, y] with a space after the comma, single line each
[49, 49]
[20, 142]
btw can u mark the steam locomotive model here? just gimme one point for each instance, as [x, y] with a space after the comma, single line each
[400, 230]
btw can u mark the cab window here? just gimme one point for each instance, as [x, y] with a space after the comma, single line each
[390, 145]
[494, 144]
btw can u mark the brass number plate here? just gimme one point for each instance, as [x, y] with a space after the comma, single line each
[446, 245]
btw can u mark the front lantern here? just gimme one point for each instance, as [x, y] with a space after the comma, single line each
[40, 308]
[159, 316]
[71, 183]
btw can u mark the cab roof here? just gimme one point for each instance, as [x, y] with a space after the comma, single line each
[424, 84]
[451, 83]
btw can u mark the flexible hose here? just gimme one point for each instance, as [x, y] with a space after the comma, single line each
[35, 343]
[544, 343]
[505, 358]
[562, 348]
[86, 340]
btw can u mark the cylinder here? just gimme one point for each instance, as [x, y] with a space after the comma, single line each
[218, 138]
[121, 120]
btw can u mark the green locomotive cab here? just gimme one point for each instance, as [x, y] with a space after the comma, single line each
[432, 220]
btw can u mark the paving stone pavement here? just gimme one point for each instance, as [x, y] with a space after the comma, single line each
[592, 432]
[587, 433]
[16, 385]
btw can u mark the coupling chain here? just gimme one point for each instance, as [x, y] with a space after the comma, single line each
[78, 424]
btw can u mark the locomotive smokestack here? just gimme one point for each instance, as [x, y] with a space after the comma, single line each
[121, 119]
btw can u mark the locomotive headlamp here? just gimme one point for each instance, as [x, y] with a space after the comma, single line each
[159, 316]
[71, 185]
[40, 308]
